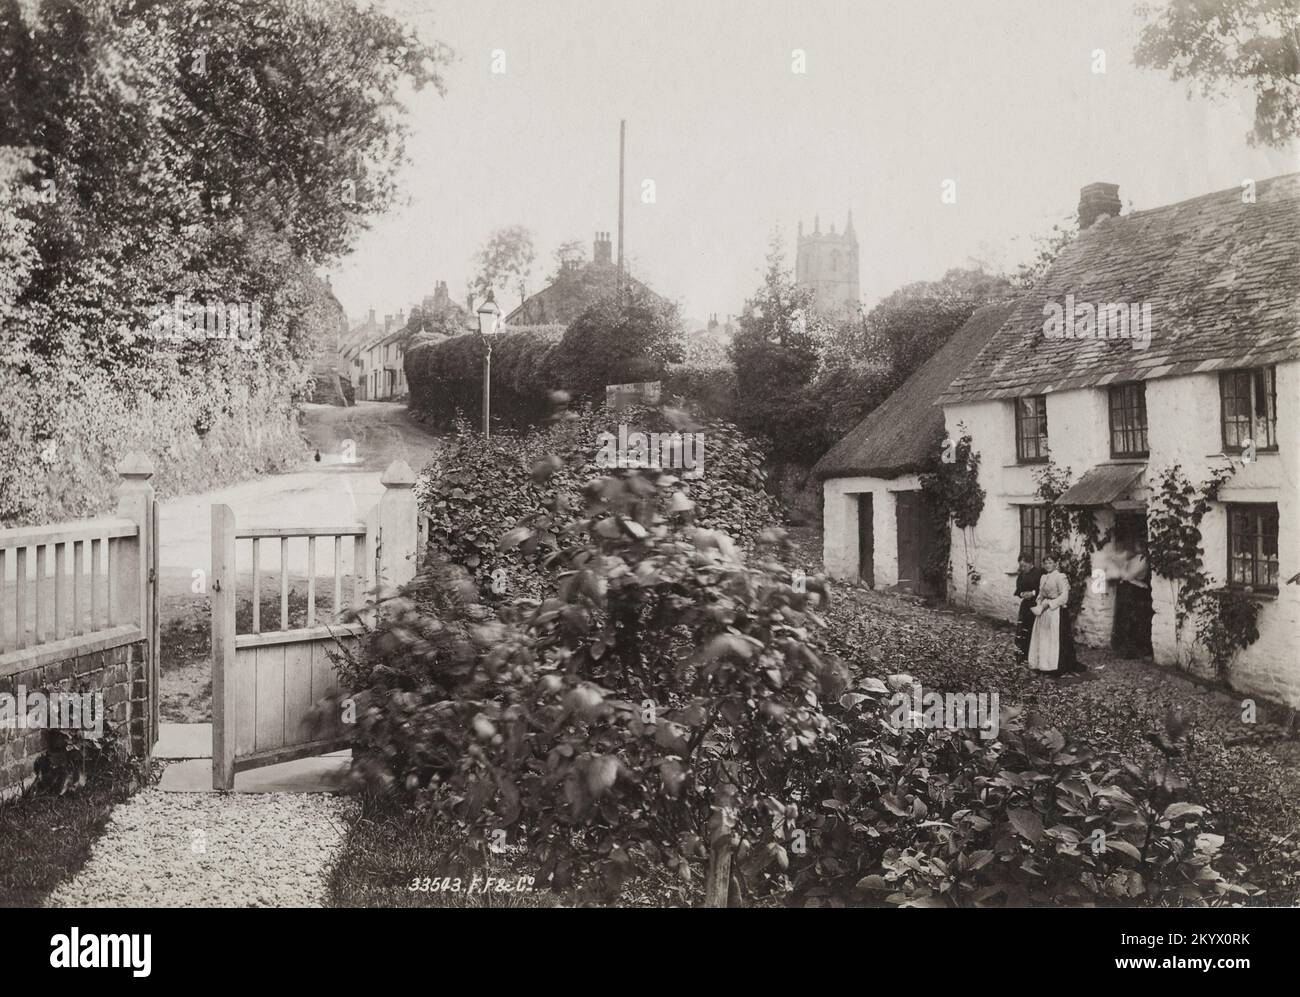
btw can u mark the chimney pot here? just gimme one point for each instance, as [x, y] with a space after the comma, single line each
[1096, 201]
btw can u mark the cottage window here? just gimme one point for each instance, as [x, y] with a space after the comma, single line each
[1252, 546]
[1128, 420]
[1033, 531]
[1248, 408]
[1031, 429]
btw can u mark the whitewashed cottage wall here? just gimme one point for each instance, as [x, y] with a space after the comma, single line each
[840, 521]
[1183, 417]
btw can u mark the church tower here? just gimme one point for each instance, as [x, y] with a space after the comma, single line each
[828, 264]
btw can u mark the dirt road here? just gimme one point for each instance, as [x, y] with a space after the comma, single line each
[355, 446]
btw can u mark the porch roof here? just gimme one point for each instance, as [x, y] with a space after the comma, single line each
[1102, 484]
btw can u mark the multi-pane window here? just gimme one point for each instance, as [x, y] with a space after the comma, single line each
[1033, 532]
[1248, 408]
[1252, 546]
[1128, 420]
[1031, 429]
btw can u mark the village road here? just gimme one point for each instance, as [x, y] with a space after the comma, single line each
[355, 445]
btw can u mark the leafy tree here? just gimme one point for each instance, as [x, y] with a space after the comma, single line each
[910, 325]
[1228, 44]
[618, 340]
[174, 151]
[571, 251]
[505, 260]
[867, 356]
[441, 319]
[1046, 249]
[776, 350]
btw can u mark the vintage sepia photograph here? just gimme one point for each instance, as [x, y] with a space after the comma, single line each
[660, 454]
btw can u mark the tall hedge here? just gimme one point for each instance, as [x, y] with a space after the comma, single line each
[447, 377]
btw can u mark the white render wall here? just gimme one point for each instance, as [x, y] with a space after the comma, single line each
[840, 525]
[1184, 428]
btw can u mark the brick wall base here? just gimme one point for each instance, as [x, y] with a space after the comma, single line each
[121, 673]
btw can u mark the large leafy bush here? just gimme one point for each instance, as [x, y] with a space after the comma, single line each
[654, 710]
[475, 488]
[947, 818]
[672, 705]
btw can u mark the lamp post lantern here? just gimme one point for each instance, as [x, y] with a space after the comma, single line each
[489, 326]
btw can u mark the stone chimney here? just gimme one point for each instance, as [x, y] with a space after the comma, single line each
[602, 249]
[1096, 201]
[371, 320]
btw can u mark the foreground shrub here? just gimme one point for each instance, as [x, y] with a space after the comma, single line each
[946, 818]
[673, 706]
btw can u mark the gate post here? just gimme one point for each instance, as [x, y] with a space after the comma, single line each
[132, 602]
[398, 528]
[221, 586]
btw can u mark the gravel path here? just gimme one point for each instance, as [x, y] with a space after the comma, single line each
[211, 850]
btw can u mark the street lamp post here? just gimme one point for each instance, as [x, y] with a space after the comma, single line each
[489, 326]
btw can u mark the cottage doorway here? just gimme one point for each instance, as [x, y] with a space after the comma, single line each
[866, 540]
[914, 540]
[1131, 633]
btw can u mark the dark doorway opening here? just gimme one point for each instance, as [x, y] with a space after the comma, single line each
[866, 540]
[1131, 633]
[915, 539]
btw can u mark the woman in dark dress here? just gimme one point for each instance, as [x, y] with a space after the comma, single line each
[1027, 592]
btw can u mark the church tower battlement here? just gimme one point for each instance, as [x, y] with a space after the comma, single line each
[827, 263]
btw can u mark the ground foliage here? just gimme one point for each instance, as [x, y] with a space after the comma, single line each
[1244, 774]
[676, 703]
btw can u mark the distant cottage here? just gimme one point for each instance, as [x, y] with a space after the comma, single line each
[576, 286]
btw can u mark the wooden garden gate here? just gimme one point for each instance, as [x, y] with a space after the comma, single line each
[266, 682]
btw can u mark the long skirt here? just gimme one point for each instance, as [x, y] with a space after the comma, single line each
[1051, 645]
[1025, 629]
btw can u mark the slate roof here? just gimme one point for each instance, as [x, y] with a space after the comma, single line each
[893, 438]
[1222, 279]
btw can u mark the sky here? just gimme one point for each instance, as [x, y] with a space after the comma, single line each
[896, 98]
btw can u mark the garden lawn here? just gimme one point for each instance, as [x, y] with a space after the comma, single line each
[44, 839]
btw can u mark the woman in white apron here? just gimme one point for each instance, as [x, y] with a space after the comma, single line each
[1051, 646]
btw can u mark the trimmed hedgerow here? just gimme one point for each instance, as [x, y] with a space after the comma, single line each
[446, 378]
[709, 389]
